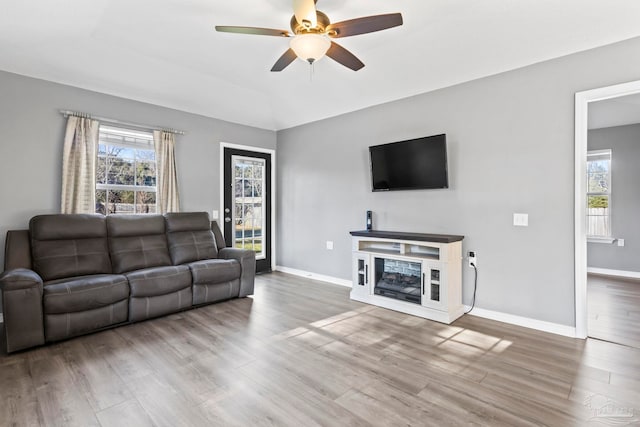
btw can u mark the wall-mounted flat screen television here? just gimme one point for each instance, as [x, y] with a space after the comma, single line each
[414, 164]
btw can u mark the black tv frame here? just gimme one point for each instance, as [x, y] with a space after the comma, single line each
[441, 181]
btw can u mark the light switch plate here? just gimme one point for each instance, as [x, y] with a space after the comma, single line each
[620, 242]
[521, 219]
[214, 214]
[329, 245]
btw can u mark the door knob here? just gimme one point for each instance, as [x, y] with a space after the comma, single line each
[227, 219]
[227, 210]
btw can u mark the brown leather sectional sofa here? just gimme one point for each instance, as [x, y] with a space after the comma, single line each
[69, 275]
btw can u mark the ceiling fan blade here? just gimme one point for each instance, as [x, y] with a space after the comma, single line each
[367, 24]
[305, 12]
[287, 58]
[253, 30]
[344, 57]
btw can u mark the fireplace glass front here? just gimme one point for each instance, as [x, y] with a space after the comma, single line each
[398, 279]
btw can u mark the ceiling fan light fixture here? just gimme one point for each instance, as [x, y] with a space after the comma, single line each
[310, 47]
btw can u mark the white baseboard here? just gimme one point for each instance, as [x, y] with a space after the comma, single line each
[615, 273]
[540, 325]
[314, 276]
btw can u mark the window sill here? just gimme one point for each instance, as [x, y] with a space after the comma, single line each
[607, 240]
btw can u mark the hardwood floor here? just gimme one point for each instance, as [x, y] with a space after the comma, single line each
[614, 309]
[300, 353]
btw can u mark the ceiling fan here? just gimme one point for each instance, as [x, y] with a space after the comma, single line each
[312, 31]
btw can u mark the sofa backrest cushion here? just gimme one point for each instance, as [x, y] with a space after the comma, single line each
[137, 242]
[67, 245]
[190, 237]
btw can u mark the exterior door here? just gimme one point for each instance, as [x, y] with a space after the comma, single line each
[247, 203]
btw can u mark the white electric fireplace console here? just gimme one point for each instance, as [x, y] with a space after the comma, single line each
[414, 273]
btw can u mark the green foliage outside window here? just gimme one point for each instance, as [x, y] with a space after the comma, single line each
[598, 201]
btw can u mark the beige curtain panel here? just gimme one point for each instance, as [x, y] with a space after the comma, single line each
[167, 198]
[79, 166]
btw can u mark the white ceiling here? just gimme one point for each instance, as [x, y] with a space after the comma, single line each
[621, 111]
[166, 52]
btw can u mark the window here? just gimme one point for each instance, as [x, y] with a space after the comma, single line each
[599, 193]
[125, 172]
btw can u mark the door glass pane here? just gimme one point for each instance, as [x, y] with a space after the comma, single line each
[248, 200]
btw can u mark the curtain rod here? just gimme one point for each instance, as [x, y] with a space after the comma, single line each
[68, 113]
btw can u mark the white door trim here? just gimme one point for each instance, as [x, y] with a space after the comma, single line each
[224, 145]
[582, 101]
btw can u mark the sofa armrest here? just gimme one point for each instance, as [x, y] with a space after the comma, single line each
[217, 233]
[17, 250]
[22, 308]
[247, 260]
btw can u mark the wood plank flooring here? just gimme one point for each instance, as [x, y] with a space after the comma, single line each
[300, 353]
[613, 307]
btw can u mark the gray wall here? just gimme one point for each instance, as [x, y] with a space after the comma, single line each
[511, 149]
[32, 131]
[624, 142]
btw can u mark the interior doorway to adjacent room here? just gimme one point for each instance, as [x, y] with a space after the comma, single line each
[607, 271]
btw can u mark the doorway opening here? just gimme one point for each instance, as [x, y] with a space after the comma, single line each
[598, 302]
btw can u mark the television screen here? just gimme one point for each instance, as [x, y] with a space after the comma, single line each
[414, 164]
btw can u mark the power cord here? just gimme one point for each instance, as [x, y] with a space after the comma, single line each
[475, 288]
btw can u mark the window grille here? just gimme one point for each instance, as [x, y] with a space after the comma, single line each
[599, 193]
[125, 172]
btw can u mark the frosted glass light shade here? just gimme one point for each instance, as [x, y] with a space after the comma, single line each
[310, 47]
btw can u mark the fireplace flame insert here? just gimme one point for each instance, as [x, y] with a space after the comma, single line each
[398, 279]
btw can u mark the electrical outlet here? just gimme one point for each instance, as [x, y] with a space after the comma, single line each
[521, 219]
[472, 257]
[329, 245]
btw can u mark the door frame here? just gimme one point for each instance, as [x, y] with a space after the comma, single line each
[582, 101]
[271, 152]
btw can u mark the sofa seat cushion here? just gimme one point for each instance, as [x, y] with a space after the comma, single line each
[214, 271]
[148, 307]
[67, 325]
[156, 281]
[84, 293]
[214, 292]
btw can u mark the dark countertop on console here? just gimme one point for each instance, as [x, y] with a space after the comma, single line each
[398, 235]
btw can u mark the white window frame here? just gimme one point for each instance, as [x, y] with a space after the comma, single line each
[604, 238]
[135, 139]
